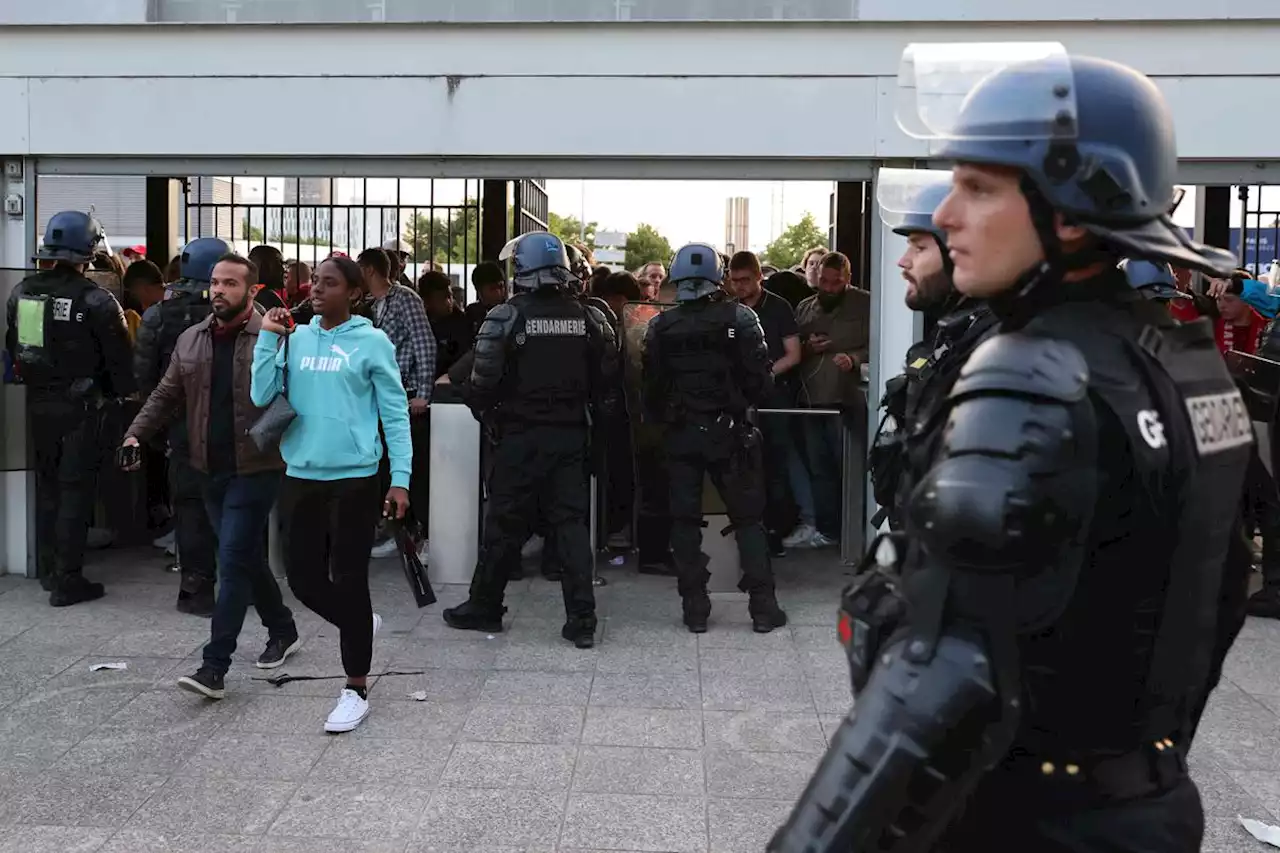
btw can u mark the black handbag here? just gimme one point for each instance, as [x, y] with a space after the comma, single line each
[414, 571]
[276, 418]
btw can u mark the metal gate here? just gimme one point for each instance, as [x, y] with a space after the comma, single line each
[531, 210]
[310, 218]
[1256, 241]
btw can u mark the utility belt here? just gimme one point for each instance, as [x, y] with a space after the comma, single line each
[1148, 771]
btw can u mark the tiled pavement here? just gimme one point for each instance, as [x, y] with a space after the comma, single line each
[656, 740]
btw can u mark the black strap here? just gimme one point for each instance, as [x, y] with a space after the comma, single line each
[283, 678]
[284, 381]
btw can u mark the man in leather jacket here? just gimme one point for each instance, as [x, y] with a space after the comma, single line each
[70, 347]
[1031, 655]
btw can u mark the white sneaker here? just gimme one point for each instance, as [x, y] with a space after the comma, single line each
[348, 713]
[801, 537]
[386, 548]
[820, 541]
[532, 548]
[164, 543]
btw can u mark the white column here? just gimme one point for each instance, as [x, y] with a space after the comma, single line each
[894, 327]
[17, 483]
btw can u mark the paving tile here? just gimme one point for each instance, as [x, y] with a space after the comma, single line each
[524, 724]
[410, 761]
[52, 839]
[436, 721]
[85, 798]
[52, 638]
[28, 752]
[352, 810]
[759, 775]
[1243, 734]
[739, 635]
[551, 655]
[233, 754]
[779, 692]
[441, 685]
[192, 804]
[763, 731]
[647, 690]
[663, 634]
[154, 642]
[285, 715]
[152, 841]
[627, 822]
[510, 765]
[443, 654]
[1226, 835]
[749, 663]
[634, 770]
[537, 688]
[739, 826]
[648, 727]
[132, 752]
[21, 674]
[647, 659]
[471, 818]
[831, 696]
[171, 711]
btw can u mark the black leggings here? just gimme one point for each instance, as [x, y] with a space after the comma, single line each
[328, 530]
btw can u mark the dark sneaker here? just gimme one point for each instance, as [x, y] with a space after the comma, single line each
[766, 615]
[205, 682]
[697, 610]
[665, 569]
[580, 632]
[75, 590]
[277, 652]
[469, 616]
[1264, 604]
[197, 603]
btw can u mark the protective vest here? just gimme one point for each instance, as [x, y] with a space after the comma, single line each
[55, 339]
[1127, 661]
[697, 359]
[548, 376]
[188, 305]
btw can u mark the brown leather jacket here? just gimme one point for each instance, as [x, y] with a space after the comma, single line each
[188, 380]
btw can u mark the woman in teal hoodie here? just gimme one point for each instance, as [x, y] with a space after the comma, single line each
[342, 379]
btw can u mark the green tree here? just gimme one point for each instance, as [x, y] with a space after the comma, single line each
[570, 230]
[788, 250]
[645, 245]
[454, 238]
[252, 233]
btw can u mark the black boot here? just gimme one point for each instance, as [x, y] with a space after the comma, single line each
[1265, 604]
[766, 615]
[470, 616]
[666, 567]
[197, 603]
[580, 632]
[697, 610]
[74, 589]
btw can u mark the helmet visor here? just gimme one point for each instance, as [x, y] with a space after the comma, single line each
[909, 196]
[950, 92]
[509, 250]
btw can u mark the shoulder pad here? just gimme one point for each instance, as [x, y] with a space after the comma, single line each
[504, 313]
[1024, 364]
[742, 315]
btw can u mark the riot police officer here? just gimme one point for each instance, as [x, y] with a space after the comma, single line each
[705, 365]
[70, 347]
[955, 324]
[546, 365]
[186, 304]
[1037, 652]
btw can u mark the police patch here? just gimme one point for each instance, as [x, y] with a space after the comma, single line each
[558, 327]
[1219, 422]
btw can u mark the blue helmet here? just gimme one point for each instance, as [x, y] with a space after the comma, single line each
[696, 271]
[71, 236]
[200, 256]
[1152, 280]
[538, 260]
[1093, 138]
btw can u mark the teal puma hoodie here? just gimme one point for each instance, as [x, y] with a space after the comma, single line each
[341, 382]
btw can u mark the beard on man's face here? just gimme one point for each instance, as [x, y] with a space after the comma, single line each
[931, 292]
[226, 311]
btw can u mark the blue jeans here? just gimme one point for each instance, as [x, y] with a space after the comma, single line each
[239, 507]
[823, 444]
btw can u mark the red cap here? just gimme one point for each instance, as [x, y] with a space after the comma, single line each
[137, 250]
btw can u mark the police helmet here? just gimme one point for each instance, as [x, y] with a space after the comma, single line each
[579, 266]
[907, 199]
[538, 260]
[1152, 280]
[199, 257]
[696, 271]
[1093, 138]
[71, 236]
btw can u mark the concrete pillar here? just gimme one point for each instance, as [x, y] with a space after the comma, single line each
[163, 196]
[495, 218]
[17, 482]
